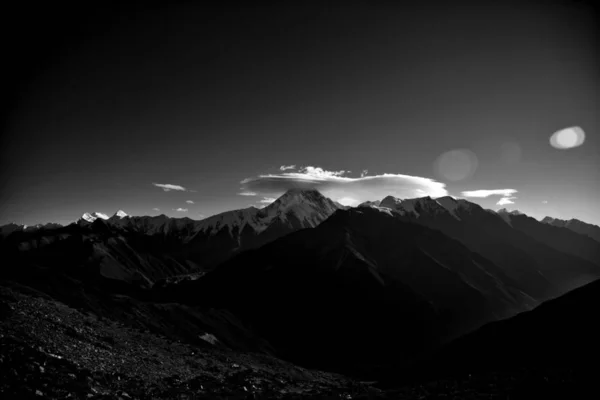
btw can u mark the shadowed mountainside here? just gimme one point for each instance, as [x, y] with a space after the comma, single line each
[539, 268]
[555, 346]
[575, 225]
[362, 279]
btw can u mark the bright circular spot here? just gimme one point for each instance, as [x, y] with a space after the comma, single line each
[456, 165]
[568, 138]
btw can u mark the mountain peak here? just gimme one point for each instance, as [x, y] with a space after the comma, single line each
[120, 214]
[93, 216]
[390, 200]
[296, 196]
[513, 212]
[297, 192]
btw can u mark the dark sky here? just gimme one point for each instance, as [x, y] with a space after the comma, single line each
[105, 101]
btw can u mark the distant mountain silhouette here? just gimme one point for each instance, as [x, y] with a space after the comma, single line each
[8, 229]
[539, 268]
[146, 250]
[575, 225]
[560, 238]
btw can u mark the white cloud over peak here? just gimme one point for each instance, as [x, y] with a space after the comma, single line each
[168, 187]
[348, 201]
[506, 200]
[189, 201]
[507, 195]
[338, 186]
[247, 194]
[156, 209]
[181, 209]
[267, 200]
[286, 167]
[487, 193]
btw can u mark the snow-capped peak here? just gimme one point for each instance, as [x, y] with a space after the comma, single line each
[120, 214]
[399, 206]
[309, 207]
[93, 216]
[423, 205]
[304, 203]
[296, 196]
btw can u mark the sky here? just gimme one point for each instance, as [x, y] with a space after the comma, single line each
[190, 110]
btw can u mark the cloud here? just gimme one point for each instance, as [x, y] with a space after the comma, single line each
[156, 209]
[189, 201]
[507, 195]
[201, 216]
[286, 167]
[247, 194]
[168, 187]
[506, 200]
[364, 173]
[267, 200]
[545, 202]
[181, 209]
[487, 193]
[348, 201]
[337, 186]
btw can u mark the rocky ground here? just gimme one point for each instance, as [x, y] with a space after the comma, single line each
[52, 351]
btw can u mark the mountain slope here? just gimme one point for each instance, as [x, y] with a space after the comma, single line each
[575, 225]
[361, 280]
[219, 237]
[540, 270]
[560, 238]
[555, 345]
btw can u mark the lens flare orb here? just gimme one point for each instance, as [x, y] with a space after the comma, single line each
[567, 138]
[456, 165]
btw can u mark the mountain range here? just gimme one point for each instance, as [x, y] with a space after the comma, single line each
[392, 279]
[146, 249]
[575, 225]
[530, 254]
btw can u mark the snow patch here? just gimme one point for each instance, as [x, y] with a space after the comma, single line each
[121, 214]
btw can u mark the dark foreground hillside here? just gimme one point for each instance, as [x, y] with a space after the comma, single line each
[67, 331]
[52, 351]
